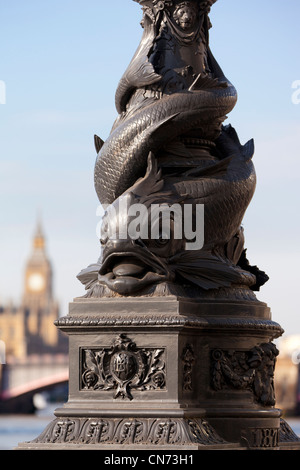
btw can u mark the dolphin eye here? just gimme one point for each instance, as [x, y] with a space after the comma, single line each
[104, 234]
[162, 240]
[103, 241]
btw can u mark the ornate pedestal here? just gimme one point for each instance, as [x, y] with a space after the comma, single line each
[168, 373]
[170, 349]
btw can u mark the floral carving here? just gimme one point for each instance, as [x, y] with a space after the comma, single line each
[188, 358]
[123, 367]
[241, 370]
[155, 431]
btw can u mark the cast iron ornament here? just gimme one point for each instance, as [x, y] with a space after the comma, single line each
[169, 146]
[123, 367]
[252, 370]
[147, 431]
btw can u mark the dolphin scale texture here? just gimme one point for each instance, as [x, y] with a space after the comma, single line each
[169, 146]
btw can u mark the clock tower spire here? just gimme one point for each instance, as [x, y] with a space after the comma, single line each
[29, 329]
[38, 274]
[41, 310]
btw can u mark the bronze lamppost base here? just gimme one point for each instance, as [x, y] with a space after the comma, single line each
[191, 367]
[168, 373]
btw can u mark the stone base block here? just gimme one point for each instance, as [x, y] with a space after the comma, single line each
[169, 373]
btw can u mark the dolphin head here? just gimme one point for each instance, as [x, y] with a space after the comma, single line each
[135, 247]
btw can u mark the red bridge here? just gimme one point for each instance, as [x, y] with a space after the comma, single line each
[22, 380]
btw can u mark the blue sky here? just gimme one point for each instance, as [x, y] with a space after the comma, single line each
[61, 61]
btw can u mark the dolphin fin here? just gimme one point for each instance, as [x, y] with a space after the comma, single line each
[229, 143]
[248, 150]
[205, 81]
[98, 143]
[211, 171]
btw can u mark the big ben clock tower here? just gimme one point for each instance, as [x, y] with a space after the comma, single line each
[28, 329]
[38, 274]
[38, 301]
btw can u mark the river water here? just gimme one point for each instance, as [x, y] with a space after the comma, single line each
[24, 428]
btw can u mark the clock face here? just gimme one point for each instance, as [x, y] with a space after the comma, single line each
[36, 282]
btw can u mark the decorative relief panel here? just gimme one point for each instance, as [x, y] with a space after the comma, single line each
[188, 358]
[157, 431]
[123, 367]
[241, 370]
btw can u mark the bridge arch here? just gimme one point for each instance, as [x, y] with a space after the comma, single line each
[20, 399]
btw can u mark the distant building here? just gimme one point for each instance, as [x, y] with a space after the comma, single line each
[287, 375]
[29, 328]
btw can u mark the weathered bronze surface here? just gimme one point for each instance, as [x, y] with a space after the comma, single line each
[169, 146]
[170, 348]
[159, 373]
